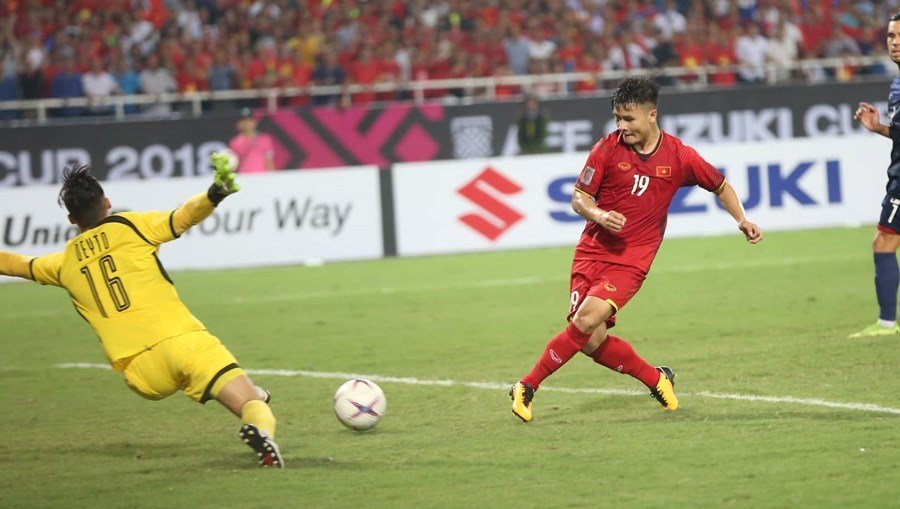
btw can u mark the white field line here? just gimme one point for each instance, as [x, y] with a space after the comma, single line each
[534, 280]
[859, 407]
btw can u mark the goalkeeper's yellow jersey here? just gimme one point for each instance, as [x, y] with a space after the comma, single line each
[118, 285]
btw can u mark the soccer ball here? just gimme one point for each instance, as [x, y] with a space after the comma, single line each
[233, 160]
[359, 404]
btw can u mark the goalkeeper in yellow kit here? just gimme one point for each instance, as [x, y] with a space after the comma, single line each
[120, 288]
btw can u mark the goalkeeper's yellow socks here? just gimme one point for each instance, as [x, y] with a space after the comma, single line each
[260, 415]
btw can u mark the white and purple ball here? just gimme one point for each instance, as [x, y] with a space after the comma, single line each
[359, 404]
[233, 161]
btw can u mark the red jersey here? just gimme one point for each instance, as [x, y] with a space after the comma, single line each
[639, 187]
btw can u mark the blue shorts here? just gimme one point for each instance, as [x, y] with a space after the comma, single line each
[889, 222]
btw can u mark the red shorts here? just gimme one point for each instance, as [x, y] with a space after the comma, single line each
[614, 283]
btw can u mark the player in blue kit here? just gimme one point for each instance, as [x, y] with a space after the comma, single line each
[887, 235]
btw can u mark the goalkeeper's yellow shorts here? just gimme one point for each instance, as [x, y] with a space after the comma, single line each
[196, 363]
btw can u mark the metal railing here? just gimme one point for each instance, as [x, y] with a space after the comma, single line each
[465, 89]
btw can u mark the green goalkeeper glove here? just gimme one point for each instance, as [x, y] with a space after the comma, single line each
[223, 182]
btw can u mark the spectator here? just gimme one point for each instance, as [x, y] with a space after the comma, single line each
[447, 38]
[365, 72]
[518, 51]
[300, 76]
[67, 84]
[10, 89]
[539, 47]
[663, 55]
[721, 55]
[532, 128]
[329, 72]
[33, 73]
[840, 44]
[157, 80]
[221, 74]
[255, 151]
[628, 54]
[99, 85]
[751, 49]
[544, 87]
[129, 82]
[782, 51]
[589, 64]
[692, 55]
[669, 21]
[192, 79]
[189, 20]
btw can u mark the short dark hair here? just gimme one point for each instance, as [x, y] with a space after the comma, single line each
[636, 90]
[896, 16]
[82, 195]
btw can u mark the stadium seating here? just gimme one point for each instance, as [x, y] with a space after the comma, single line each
[96, 48]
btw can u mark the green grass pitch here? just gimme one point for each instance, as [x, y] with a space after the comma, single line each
[730, 318]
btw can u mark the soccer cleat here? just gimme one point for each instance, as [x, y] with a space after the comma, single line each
[664, 392]
[521, 394]
[875, 330]
[266, 448]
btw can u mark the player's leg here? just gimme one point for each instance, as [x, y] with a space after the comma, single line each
[887, 272]
[616, 287]
[618, 355]
[258, 430]
[589, 315]
[212, 372]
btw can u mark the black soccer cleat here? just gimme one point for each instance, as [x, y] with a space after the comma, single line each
[266, 448]
[664, 392]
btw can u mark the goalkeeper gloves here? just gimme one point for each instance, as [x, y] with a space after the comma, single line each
[223, 182]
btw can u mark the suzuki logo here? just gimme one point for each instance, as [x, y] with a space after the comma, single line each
[497, 217]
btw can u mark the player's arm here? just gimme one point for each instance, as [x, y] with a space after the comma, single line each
[199, 207]
[585, 206]
[708, 177]
[44, 269]
[868, 117]
[16, 265]
[730, 201]
[587, 187]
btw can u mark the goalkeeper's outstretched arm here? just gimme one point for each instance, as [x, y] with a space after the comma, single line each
[16, 265]
[199, 207]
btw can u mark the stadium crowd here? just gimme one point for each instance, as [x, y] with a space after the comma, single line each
[97, 48]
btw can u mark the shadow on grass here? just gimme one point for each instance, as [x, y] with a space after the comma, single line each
[247, 460]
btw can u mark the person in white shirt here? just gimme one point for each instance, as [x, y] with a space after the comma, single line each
[157, 80]
[539, 47]
[99, 84]
[189, 21]
[628, 53]
[782, 51]
[669, 21]
[751, 49]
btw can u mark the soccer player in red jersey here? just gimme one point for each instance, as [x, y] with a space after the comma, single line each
[624, 192]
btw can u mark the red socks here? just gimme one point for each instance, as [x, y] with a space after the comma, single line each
[616, 354]
[558, 352]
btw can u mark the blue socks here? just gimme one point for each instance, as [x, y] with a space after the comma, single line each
[887, 278]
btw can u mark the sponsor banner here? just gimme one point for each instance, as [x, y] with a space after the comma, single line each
[156, 149]
[501, 203]
[283, 218]
[321, 137]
